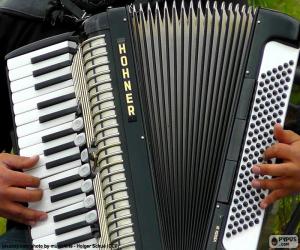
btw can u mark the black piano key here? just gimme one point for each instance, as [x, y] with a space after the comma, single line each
[64, 181]
[54, 101]
[71, 228]
[58, 114]
[51, 68]
[56, 163]
[68, 215]
[65, 195]
[52, 54]
[70, 242]
[57, 135]
[59, 148]
[53, 81]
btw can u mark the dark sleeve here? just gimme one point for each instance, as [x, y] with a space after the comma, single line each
[14, 33]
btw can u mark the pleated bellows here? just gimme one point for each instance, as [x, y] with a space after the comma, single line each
[191, 61]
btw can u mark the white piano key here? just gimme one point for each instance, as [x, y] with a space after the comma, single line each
[36, 138]
[44, 184]
[52, 239]
[27, 70]
[38, 149]
[66, 177]
[36, 126]
[30, 93]
[46, 205]
[31, 104]
[43, 227]
[42, 172]
[34, 115]
[45, 159]
[77, 125]
[30, 81]
[25, 59]
[49, 228]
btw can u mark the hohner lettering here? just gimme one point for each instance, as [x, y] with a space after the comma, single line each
[127, 82]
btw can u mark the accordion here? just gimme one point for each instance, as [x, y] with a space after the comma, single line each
[148, 120]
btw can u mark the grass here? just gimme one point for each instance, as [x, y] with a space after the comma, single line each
[2, 226]
[290, 7]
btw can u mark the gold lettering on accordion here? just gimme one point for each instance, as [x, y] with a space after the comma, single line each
[122, 48]
[125, 73]
[127, 84]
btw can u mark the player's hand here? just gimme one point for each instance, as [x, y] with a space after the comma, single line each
[286, 175]
[13, 192]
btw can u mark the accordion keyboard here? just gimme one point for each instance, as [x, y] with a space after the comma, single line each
[49, 123]
[175, 103]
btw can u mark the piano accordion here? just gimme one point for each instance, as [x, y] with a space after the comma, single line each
[148, 121]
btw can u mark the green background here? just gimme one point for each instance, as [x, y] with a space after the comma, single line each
[2, 226]
[281, 211]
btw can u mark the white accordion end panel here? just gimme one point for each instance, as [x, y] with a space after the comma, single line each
[245, 218]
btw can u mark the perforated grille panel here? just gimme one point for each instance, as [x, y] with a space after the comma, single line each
[269, 107]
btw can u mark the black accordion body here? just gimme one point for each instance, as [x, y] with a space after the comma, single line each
[148, 121]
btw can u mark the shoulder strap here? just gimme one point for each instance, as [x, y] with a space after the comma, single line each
[27, 8]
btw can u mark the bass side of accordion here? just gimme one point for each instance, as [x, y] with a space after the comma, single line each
[148, 123]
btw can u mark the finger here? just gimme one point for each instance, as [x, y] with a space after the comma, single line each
[280, 151]
[19, 179]
[18, 212]
[18, 162]
[274, 196]
[285, 136]
[271, 184]
[19, 220]
[13, 218]
[284, 169]
[27, 214]
[23, 195]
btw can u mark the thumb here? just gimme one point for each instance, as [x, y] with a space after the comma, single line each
[18, 162]
[285, 136]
